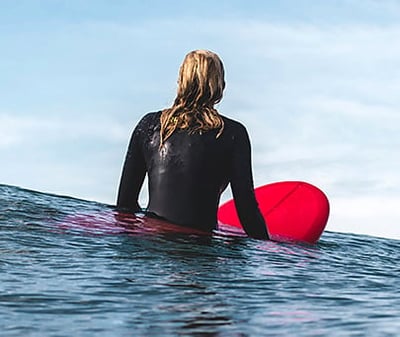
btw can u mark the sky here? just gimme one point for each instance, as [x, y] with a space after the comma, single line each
[315, 82]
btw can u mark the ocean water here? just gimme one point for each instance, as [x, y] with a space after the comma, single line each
[61, 276]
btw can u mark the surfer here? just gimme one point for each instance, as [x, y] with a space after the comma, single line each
[191, 153]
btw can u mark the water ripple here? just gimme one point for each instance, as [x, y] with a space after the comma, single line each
[61, 276]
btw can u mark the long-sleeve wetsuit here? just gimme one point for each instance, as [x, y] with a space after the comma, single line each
[187, 176]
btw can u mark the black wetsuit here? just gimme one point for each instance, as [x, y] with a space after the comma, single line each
[187, 176]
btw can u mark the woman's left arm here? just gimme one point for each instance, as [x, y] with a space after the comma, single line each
[133, 173]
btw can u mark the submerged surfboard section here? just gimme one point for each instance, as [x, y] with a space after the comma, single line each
[293, 210]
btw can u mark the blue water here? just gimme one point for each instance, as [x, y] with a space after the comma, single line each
[60, 280]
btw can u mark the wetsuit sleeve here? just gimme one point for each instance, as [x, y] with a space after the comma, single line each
[133, 173]
[243, 188]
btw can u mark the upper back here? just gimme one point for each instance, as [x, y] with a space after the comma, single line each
[197, 154]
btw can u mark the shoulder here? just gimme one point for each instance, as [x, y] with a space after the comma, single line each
[234, 127]
[233, 124]
[150, 118]
[149, 121]
[145, 127]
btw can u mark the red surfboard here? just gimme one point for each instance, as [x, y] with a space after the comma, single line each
[293, 210]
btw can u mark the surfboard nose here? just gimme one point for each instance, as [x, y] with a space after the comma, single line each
[293, 210]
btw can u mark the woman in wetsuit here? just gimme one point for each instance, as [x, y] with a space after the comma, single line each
[191, 153]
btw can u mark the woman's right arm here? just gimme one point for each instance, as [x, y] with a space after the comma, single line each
[243, 188]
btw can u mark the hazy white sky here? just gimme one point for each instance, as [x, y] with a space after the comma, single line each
[315, 82]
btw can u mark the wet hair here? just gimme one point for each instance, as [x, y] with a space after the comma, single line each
[200, 86]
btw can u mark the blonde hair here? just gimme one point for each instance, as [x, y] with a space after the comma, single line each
[200, 86]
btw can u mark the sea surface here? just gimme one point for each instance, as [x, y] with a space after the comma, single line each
[64, 276]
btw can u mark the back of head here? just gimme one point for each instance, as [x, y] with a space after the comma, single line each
[201, 80]
[200, 86]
